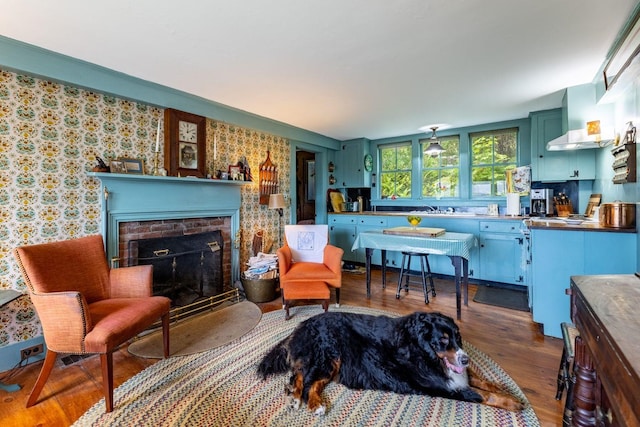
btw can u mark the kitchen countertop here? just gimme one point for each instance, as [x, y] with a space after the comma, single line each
[548, 223]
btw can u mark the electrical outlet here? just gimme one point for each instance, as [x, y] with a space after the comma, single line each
[32, 351]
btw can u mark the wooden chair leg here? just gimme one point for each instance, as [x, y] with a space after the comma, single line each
[325, 305]
[337, 297]
[165, 334]
[106, 360]
[47, 366]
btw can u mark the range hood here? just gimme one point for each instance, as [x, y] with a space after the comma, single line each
[585, 124]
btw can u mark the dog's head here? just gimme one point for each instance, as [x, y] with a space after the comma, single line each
[439, 336]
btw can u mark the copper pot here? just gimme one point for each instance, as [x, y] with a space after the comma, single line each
[618, 215]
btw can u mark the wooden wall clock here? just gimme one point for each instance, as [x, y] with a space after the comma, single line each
[184, 143]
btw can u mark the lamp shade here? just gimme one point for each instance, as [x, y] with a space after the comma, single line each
[434, 147]
[276, 201]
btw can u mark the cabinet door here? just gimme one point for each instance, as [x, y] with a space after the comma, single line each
[556, 165]
[556, 256]
[500, 257]
[343, 236]
[350, 164]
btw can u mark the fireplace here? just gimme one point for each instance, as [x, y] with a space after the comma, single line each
[143, 207]
[185, 268]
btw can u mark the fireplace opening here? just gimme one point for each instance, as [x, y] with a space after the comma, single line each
[186, 268]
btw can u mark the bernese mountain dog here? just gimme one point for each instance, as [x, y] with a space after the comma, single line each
[416, 354]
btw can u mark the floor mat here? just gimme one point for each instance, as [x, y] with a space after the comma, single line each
[514, 299]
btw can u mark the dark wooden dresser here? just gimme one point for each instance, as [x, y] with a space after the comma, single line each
[606, 311]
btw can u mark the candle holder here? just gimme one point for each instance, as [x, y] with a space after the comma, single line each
[156, 159]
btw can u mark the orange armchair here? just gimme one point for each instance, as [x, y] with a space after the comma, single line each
[294, 267]
[86, 307]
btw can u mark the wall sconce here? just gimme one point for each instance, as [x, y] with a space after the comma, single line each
[276, 201]
[331, 167]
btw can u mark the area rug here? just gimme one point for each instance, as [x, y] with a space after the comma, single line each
[220, 388]
[201, 332]
[514, 299]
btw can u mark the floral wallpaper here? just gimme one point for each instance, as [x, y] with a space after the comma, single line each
[50, 135]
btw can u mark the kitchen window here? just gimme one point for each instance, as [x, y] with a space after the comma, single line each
[441, 174]
[395, 171]
[492, 153]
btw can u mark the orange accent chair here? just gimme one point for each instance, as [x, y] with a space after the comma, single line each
[85, 307]
[294, 266]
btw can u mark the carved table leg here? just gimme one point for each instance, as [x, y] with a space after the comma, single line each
[584, 392]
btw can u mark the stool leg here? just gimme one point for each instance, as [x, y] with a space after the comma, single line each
[567, 416]
[407, 274]
[400, 277]
[562, 375]
[433, 288]
[424, 280]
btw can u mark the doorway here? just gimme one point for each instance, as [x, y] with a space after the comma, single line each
[305, 187]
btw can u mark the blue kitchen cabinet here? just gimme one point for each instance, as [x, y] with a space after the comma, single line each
[557, 255]
[350, 167]
[501, 252]
[342, 233]
[556, 165]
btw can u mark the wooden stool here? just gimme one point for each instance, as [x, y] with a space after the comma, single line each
[305, 291]
[566, 375]
[425, 271]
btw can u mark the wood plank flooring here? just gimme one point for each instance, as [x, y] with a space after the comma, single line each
[508, 336]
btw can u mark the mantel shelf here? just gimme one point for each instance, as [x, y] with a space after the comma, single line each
[172, 179]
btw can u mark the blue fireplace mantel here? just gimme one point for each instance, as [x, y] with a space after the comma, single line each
[128, 197]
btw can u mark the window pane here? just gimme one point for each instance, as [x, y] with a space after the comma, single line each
[440, 174]
[395, 176]
[492, 153]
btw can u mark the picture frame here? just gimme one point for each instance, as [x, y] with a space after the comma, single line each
[236, 173]
[117, 166]
[132, 166]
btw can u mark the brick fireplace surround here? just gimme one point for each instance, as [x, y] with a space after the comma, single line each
[142, 206]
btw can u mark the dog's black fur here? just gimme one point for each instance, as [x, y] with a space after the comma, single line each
[416, 354]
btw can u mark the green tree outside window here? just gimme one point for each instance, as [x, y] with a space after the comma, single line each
[441, 173]
[492, 154]
[395, 171]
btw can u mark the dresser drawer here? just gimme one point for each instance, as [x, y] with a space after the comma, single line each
[500, 226]
[372, 220]
[343, 219]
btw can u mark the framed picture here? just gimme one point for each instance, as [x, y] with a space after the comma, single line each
[188, 155]
[236, 173]
[184, 143]
[117, 166]
[133, 166]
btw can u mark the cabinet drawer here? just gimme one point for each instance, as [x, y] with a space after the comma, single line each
[372, 220]
[343, 219]
[500, 226]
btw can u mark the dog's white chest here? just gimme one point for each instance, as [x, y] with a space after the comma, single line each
[458, 381]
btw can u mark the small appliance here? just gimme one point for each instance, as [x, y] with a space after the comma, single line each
[541, 202]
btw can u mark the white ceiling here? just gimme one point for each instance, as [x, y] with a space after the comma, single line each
[341, 68]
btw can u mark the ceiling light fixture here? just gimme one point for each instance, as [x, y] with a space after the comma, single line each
[434, 147]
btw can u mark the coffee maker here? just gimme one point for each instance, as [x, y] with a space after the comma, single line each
[541, 202]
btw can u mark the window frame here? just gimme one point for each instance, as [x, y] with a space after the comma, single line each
[396, 145]
[493, 164]
[423, 144]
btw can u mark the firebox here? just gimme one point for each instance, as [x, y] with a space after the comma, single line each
[185, 268]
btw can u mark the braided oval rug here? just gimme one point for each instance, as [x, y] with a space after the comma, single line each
[220, 387]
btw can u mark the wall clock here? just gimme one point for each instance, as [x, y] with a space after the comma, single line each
[368, 162]
[184, 143]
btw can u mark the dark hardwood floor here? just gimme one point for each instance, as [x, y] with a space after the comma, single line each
[508, 336]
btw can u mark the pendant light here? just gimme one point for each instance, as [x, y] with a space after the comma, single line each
[434, 147]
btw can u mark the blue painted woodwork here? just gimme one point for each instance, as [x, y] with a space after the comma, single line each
[148, 198]
[557, 255]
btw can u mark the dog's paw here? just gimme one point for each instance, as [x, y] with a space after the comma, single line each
[320, 410]
[294, 403]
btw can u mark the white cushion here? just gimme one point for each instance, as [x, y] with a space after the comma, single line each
[307, 242]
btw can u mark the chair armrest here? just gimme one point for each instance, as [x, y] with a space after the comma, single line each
[284, 260]
[65, 320]
[131, 282]
[333, 259]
